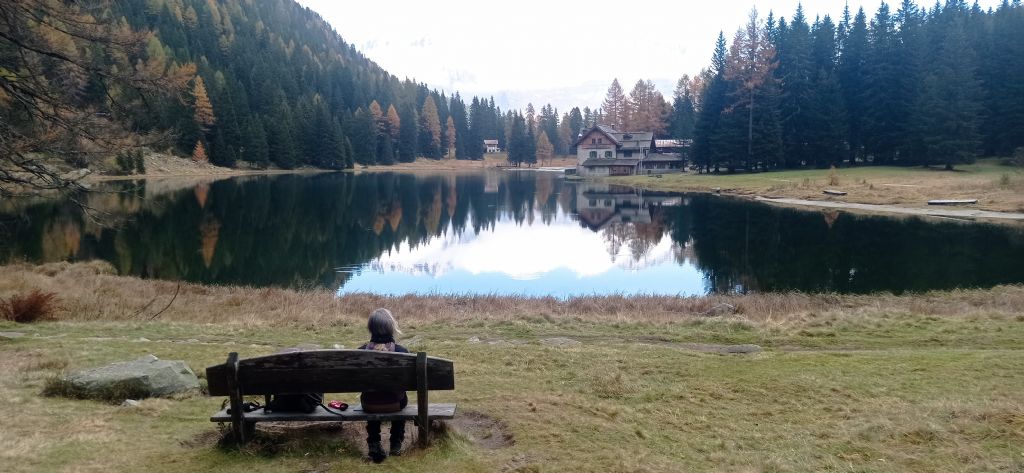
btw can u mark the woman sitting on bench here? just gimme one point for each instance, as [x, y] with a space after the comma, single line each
[382, 327]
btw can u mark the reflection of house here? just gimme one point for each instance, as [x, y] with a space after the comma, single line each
[599, 205]
[603, 151]
[491, 146]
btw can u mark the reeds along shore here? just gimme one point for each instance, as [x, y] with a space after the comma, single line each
[91, 291]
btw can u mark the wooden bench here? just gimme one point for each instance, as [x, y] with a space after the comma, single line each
[330, 371]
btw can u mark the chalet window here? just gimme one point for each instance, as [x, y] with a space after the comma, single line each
[593, 141]
[627, 154]
[600, 141]
[607, 154]
[593, 154]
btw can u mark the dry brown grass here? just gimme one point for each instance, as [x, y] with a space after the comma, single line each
[90, 291]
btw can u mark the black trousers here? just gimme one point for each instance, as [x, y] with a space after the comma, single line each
[397, 431]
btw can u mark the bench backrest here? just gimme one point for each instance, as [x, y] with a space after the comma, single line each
[328, 371]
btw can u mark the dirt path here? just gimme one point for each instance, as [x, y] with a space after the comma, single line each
[956, 213]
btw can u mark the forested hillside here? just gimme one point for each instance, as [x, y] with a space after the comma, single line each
[276, 84]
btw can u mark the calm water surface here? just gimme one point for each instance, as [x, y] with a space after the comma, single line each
[526, 233]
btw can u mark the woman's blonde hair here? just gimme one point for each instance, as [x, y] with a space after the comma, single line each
[382, 324]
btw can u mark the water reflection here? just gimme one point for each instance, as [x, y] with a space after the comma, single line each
[513, 232]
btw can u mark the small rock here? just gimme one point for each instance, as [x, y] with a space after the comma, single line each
[130, 403]
[474, 340]
[742, 349]
[720, 309]
[142, 339]
[11, 335]
[338, 346]
[560, 342]
[192, 340]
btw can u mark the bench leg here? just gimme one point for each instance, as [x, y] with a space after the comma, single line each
[422, 403]
[248, 430]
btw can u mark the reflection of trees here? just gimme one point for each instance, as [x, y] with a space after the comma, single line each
[286, 230]
[292, 230]
[743, 246]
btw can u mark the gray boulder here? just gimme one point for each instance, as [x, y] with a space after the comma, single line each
[148, 376]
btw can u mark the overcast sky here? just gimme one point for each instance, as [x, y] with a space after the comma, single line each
[557, 51]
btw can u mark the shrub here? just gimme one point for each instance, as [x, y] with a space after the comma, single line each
[36, 305]
[140, 163]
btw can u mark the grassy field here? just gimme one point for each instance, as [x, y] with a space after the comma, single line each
[928, 382]
[997, 187]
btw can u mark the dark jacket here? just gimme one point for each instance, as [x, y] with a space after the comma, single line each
[383, 401]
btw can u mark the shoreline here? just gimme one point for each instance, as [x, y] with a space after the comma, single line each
[962, 214]
[83, 282]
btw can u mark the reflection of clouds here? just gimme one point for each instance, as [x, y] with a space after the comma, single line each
[521, 252]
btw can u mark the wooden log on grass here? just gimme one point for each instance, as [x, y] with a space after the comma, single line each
[833, 192]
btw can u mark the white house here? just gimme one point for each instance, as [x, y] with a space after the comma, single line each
[603, 151]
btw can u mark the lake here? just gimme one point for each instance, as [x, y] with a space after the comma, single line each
[499, 232]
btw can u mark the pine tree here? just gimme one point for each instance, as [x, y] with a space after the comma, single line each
[431, 129]
[458, 115]
[749, 70]
[474, 141]
[407, 136]
[795, 74]
[255, 151]
[712, 104]
[827, 132]
[852, 81]
[683, 110]
[884, 123]
[950, 100]
[614, 106]
[363, 133]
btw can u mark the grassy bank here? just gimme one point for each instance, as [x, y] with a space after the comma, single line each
[997, 187]
[925, 382]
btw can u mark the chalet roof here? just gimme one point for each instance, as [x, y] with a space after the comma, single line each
[603, 129]
[490, 142]
[644, 137]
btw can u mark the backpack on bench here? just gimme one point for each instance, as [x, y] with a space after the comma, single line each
[305, 403]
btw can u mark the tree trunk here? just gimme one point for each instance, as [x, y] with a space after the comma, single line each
[750, 131]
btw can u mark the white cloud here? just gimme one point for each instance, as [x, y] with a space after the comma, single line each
[561, 245]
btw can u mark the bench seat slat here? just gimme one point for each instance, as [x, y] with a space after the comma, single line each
[353, 413]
